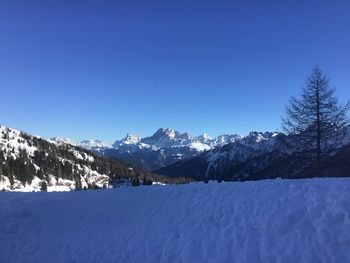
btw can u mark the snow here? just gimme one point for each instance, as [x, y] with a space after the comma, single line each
[61, 140]
[11, 139]
[4, 183]
[266, 221]
[94, 145]
[162, 139]
[82, 155]
[200, 147]
[205, 137]
[12, 142]
[243, 148]
[53, 185]
[158, 183]
[131, 139]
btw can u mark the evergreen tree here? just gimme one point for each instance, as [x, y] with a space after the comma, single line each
[78, 185]
[135, 181]
[317, 119]
[12, 179]
[43, 186]
[146, 181]
[59, 170]
[39, 174]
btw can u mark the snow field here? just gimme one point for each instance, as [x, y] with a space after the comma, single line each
[265, 221]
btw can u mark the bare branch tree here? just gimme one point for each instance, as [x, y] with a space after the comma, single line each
[317, 119]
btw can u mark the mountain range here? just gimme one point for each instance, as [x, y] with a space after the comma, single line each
[164, 147]
[31, 163]
[261, 156]
[227, 157]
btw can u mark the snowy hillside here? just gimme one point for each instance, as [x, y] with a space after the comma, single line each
[266, 221]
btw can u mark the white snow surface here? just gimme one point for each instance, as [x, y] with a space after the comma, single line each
[266, 221]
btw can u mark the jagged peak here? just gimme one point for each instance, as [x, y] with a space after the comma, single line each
[204, 137]
[260, 136]
[131, 139]
[166, 132]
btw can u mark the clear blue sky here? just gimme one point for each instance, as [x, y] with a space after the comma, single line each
[99, 69]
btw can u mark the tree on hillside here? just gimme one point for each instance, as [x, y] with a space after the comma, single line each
[146, 181]
[317, 119]
[43, 186]
[135, 181]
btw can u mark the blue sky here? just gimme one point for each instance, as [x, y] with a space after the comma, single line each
[100, 69]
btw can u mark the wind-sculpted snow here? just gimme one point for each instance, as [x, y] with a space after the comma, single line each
[266, 221]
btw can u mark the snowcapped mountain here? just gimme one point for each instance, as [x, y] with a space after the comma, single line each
[164, 147]
[94, 145]
[62, 140]
[259, 156]
[216, 161]
[30, 163]
[129, 139]
[230, 157]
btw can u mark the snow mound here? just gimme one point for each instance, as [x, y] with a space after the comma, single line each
[266, 221]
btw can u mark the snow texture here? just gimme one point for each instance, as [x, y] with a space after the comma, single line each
[266, 221]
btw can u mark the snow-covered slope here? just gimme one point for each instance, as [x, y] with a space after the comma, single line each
[23, 158]
[266, 221]
[163, 148]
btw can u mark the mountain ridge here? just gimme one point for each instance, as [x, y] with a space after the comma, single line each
[31, 163]
[166, 146]
[261, 156]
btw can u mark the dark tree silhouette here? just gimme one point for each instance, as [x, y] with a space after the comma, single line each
[43, 186]
[135, 181]
[317, 119]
